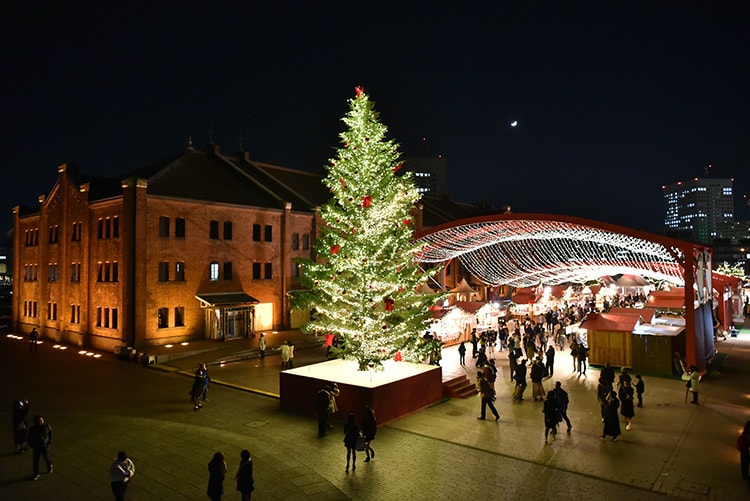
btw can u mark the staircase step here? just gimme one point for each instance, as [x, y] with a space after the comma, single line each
[459, 387]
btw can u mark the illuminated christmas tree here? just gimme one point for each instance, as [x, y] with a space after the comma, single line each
[362, 284]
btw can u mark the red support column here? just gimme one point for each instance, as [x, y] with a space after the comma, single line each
[690, 341]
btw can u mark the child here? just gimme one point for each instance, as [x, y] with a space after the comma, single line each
[639, 389]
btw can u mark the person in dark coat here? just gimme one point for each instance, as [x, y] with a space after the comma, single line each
[640, 388]
[562, 399]
[607, 374]
[351, 434]
[217, 470]
[245, 481]
[199, 384]
[583, 354]
[520, 378]
[627, 407]
[369, 429]
[40, 438]
[537, 375]
[551, 416]
[550, 360]
[487, 394]
[474, 343]
[462, 353]
[611, 418]
[20, 411]
[322, 406]
[602, 393]
[512, 363]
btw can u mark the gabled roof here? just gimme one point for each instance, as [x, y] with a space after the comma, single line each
[647, 314]
[469, 306]
[609, 322]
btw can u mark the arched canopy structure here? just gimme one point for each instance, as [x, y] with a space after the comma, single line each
[527, 249]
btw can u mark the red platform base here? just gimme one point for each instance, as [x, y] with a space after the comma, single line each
[400, 389]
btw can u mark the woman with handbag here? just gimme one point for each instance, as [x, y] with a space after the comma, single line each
[351, 435]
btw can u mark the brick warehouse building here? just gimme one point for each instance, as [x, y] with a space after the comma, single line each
[198, 246]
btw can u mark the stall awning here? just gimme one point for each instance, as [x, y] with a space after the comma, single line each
[225, 299]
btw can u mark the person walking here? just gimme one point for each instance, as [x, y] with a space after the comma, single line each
[20, 411]
[262, 345]
[462, 353]
[562, 399]
[40, 438]
[743, 445]
[284, 351]
[574, 354]
[369, 429]
[217, 471]
[487, 394]
[520, 378]
[640, 388]
[206, 380]
[474, 343]
[627, 409]
[244, 476]
[537, 375]
[290, 362]
[120, 474]
[694, 383]
[351, 435]
[34, 340]
[549, 355]
[551, 416]
[512, 363]
[196, 392]
[611, 418]
[583, 354]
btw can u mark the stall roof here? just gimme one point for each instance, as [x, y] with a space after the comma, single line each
[669, 300]
[610, 322]
[647, 314]
[469, 306]
[658, 330]
[524, 296]
[463, 288]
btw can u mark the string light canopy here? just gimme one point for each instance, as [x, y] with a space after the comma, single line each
[523, 250]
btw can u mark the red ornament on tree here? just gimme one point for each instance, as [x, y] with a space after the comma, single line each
[398, 357]
[359, 90]
[407, 222]
[335, 249]
[388, 304]
[398, 166]
[343, 183]
[366, 201]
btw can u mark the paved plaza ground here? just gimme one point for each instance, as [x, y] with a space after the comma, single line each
[98, 406]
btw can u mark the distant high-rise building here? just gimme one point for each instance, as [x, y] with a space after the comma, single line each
[430, 174]
[700, 209]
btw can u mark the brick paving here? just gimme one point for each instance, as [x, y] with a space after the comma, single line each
[98, 406]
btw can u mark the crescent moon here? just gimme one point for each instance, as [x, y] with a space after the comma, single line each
[514, 123]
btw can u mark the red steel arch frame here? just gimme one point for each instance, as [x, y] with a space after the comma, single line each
[525, 249]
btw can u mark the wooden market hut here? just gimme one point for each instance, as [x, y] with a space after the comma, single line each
[609, 338]
[654, 345]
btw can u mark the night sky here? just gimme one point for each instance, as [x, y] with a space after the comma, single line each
[612, 99]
